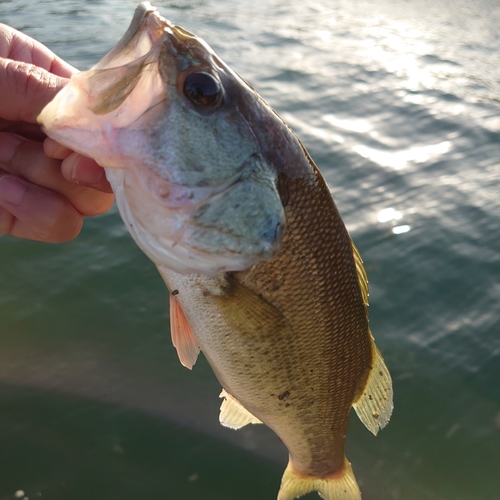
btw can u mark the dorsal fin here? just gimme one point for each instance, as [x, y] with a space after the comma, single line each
[233, 414]
[374, 406]
[360, 270]
[182, 335]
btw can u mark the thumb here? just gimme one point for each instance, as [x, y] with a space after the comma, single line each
[25, 89]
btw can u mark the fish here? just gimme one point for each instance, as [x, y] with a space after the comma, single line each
[263, 276]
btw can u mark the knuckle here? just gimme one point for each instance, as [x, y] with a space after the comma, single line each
[22, 76]
[66, 231]
[64, 226]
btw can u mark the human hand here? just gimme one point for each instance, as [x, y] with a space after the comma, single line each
[45, 188]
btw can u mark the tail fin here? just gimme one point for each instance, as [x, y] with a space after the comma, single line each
[340, 486]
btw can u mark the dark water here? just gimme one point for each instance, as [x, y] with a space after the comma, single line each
[398, 103]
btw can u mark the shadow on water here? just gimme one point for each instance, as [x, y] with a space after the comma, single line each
[61, 447]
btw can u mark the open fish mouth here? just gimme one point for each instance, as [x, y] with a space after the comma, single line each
[146, 31]
[166, 118]
[121, 78]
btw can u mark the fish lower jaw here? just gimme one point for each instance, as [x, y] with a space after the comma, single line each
[90, 142]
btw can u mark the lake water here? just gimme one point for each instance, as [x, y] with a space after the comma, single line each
[398, 102]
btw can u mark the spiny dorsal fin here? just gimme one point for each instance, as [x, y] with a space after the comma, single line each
[233, 414]
[362, 277]
[374, 406]
[182, 335]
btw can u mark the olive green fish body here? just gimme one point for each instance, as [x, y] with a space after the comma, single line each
[289, 338]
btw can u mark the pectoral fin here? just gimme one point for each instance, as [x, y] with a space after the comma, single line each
[233, 414]
[374, 406]
[182, 335]
[253, 316]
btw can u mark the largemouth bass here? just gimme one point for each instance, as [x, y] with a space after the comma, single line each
[263, 276]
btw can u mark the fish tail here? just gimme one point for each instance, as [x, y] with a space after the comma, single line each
[339, 486]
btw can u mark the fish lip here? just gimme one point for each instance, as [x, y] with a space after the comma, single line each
[146, 18]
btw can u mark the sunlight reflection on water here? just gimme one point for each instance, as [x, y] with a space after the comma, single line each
[401, 159]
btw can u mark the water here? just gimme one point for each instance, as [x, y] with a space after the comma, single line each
[398, 103]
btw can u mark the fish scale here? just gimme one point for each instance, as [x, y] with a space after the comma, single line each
[318, 306]
[325, 327]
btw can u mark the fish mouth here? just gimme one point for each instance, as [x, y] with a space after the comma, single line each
[119, 72]
[86, 114]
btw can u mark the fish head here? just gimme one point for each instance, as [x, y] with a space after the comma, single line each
[170, 122]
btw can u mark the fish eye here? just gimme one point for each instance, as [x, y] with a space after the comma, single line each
[202, 89]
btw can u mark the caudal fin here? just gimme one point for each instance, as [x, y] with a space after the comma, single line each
[340, 486]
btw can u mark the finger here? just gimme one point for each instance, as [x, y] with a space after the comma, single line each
[77, 168]
[30, 130]
[6, 221]
[83, 170]
[55, 150]
[20, 47]
[36, 213]
[25, 158]
[25, 89]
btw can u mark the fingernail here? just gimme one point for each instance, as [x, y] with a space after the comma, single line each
[84, 170]
[8, 146]
[12, 190]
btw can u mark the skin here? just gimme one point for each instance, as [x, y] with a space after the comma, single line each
[45, 189]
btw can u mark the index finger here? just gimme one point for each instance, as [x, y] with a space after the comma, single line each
[20, 47]
[25, 89]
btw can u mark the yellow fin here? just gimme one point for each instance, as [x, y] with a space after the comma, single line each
[362, 277]
[374, 406]
[341, 486]
[233, 414]
[182, 336]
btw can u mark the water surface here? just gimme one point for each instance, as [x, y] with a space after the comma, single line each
[398, 103]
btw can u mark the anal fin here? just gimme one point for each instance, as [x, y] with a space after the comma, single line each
[374, 406]
[182, 335]
[233, 414]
